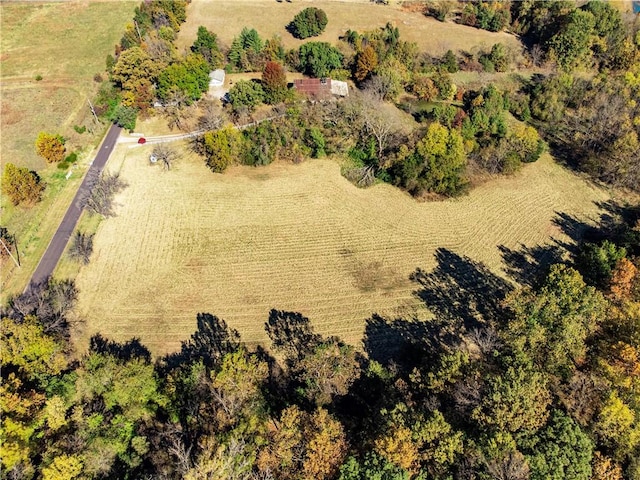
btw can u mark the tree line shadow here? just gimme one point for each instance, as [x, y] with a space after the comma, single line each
[463, 295]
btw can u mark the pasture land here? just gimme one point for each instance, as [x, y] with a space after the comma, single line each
[66, 43]
[226, 18]
[298, 238]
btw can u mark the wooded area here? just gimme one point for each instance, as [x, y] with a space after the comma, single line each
[535, 376]
[539, 381]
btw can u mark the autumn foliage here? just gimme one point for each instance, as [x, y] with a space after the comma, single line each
[50, 147]
[21, 185]
[274, 82]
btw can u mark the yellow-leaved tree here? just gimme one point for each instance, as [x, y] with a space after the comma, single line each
[50, 147]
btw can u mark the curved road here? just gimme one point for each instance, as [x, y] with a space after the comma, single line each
[59, 241]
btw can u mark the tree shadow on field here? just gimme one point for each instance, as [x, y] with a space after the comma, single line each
[123, 351]
[461, 291]
[397, 342]
[212, 340]
[291, 333]
[529, 265]
[464, 296]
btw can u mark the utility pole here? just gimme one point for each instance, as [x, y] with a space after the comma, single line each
[9, 252]
[15, 244]
[138, 30]
[93, 111]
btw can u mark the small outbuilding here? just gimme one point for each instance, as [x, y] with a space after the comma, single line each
[339, 88]
[216, 78]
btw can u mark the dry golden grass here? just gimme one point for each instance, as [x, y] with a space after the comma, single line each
[66, 43]
[226, 18]
[293, 237]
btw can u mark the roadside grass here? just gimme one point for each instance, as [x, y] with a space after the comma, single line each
[66, 44]
[34, 226]
[298, 238]
[226, 18]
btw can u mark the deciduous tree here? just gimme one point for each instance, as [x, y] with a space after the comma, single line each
[551, 326]
[222, 148]
[245, 94]
[21, 185]
[50, 147]
[310, 22]
[366, 63]
[317, 59]
[274, 82]
[328, 371]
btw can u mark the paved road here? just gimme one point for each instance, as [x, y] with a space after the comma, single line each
[59, 241]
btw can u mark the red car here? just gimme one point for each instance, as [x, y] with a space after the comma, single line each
[142, 140]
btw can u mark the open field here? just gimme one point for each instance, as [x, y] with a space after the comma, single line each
[294, 237]
[66, 43]
[226, 18]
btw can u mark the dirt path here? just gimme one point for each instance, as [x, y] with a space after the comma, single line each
[59, 241]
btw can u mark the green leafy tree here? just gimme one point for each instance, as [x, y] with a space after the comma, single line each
[371, 467]
[30, 361]
[617, 426]
[597, 261]
[559, 451]
[317, 142]
[450, 62]
[222, 148]
[517, 400]
[571, 45]
[119, 396]
[246, 95]
[237, 387]
[124, 117]
[437, 164]
[50, 147]
[274, 82]
[191, 77]
[206, 44]
[21, 185]
[310, 22]
[317, 59]
[439, 443]
[25, 346]
[551, 325]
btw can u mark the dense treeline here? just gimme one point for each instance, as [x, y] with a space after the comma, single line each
[536, 382]
[565, 104]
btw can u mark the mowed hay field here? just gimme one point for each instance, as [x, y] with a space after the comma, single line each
[226, 18]
[294, 237]
[64, 42]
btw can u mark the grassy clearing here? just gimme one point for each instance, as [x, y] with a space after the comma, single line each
[227, 17]
[66, 43]
[294, 237]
